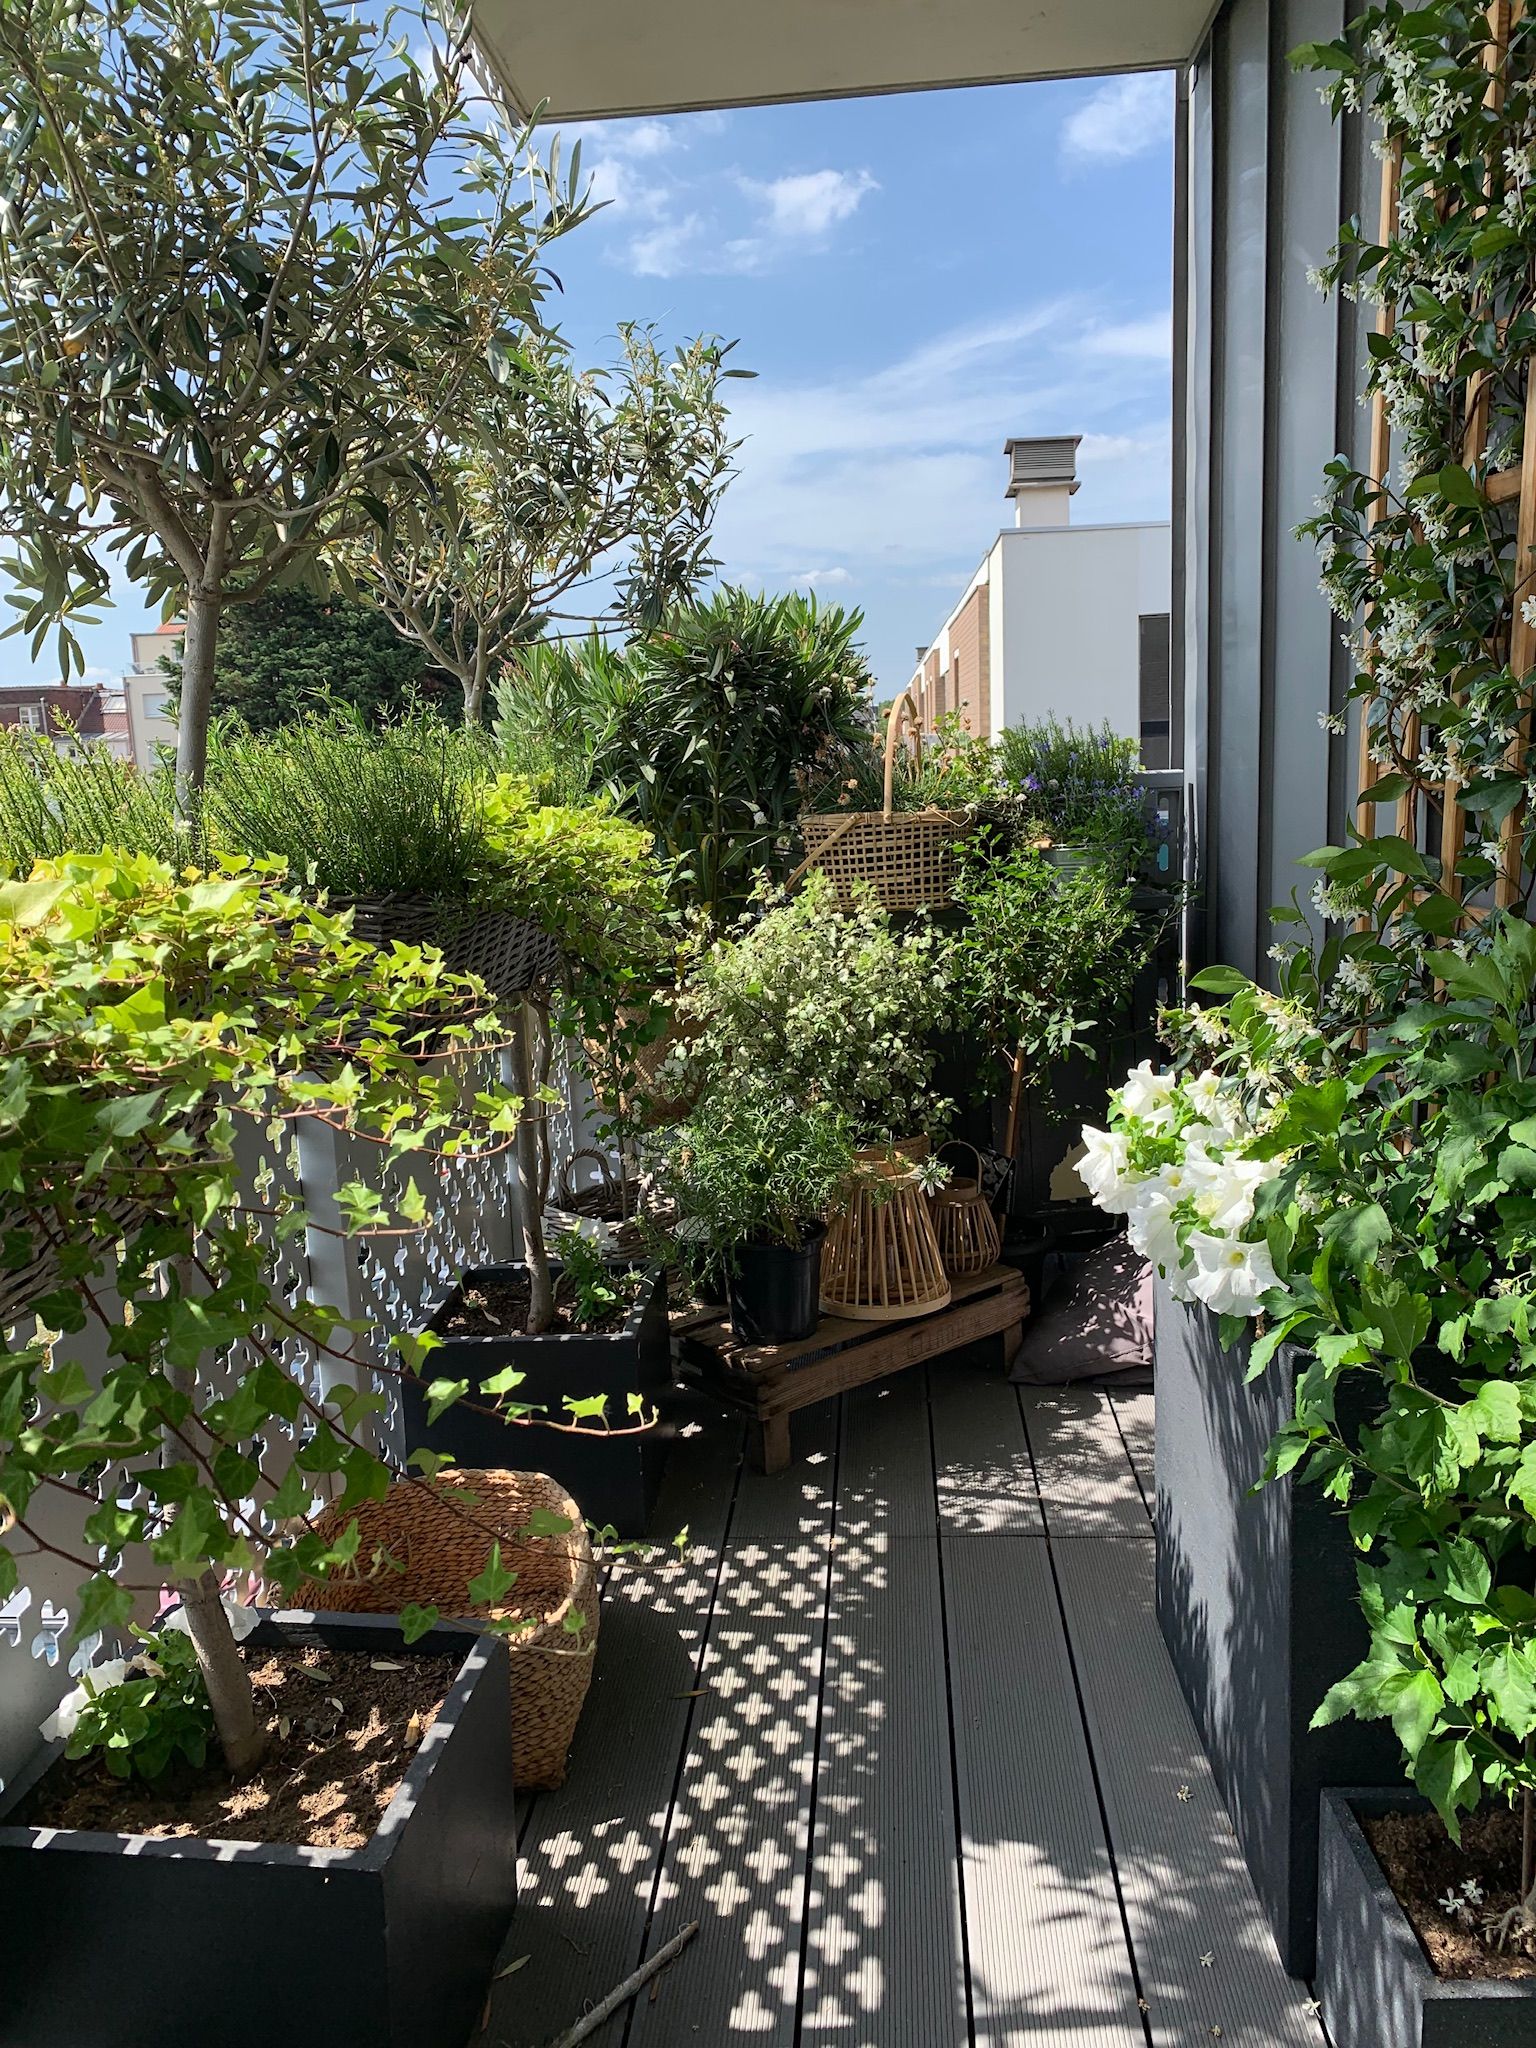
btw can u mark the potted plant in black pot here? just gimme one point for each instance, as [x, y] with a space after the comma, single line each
[754, 1174]
[596, 1376]
[190, 1444]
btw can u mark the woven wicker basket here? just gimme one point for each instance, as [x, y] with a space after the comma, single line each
[442, 1535]
[906, 857]
[881, 1261]
[963, 1221]
[510, 954]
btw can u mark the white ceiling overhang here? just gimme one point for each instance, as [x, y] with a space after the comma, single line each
[590, 59]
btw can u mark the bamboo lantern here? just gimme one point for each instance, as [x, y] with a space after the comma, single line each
[964, 1224]
[881, 1261]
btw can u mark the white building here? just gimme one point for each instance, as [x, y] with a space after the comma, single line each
[1063, 619]
[147, 689]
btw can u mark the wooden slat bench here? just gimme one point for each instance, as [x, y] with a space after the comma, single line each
[769, 1382]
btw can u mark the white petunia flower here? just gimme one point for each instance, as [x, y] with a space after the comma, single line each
[65, 1718]
[1104, 1168]
[1230, 1277]
[1152, 1231]
[242, 1619]
[1148, 1095]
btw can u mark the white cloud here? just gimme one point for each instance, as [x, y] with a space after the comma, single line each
[1124, 118]
[664, 251]
[1151, 338]
[896, 476]
[806, 205]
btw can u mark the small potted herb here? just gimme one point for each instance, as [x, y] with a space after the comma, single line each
[596, 1379]
[754, 1175]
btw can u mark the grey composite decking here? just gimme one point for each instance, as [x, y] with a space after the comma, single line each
[898, 1730]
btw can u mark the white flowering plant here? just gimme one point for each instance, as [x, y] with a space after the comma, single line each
[141, 1713]
[1370, 1197]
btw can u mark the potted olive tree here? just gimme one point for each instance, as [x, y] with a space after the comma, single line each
[149, 1017]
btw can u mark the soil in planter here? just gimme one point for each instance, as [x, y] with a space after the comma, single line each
[1423, 1865]
[342, 1729]
[499, 1308]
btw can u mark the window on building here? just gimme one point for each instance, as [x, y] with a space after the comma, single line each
[30, 717]
[157, 707]
[1161, 720]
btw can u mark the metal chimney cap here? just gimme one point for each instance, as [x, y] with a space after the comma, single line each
[1042, 462]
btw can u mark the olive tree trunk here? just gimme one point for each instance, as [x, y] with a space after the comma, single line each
[240, 1733]
[197, 654]
[532, 1163]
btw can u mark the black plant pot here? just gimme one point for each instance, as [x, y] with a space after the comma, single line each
[614, 1479]
[1374, 1981]
[245, 1943]
[775, 1290]
[1256, 1597]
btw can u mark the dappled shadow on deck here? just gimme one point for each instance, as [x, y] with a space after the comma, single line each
[898, 1730]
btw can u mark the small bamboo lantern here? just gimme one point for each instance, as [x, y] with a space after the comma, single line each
[963, 1222]
[881, 1260]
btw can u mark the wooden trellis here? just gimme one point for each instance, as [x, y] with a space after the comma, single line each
[1500, 487]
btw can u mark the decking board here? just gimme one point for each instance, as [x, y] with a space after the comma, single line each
[738, 1839]
[1203, 1949]
[1135, 1413]
[983, 1473]
[909, 1749]
[884, 1964]
[590, 1849]
[1047, 1955]
[1086, 1479]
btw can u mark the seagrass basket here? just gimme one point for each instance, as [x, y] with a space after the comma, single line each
[963, 1221]
[510, 954]
[881, 1261]
[907, 858]
[441, 1533]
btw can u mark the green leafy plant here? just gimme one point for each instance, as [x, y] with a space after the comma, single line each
[199, 376]
[596, 1286]
[757, 1165]
[140, 1713]
[840, 1006]
[148, 1017]
[1071, 786]
[292, 652]
[1043, 963]
[714, 720]
[548, 479]
[54, 802]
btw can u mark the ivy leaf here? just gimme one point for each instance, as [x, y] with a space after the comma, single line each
[490, 1587]
[415, 1622]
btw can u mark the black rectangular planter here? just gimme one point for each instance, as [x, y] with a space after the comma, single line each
[613, 1480]
[109, 1939]
[1256, 1598]
[1374, 1980]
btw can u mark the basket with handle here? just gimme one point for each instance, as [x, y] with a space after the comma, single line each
[440, 1533]
[963, 1220]
[907, 858]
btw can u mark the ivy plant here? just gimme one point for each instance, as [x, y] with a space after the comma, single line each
[149, 1016]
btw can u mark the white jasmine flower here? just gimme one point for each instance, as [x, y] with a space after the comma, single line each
[62, 1722]
[242, 1619]
[1230, 1277]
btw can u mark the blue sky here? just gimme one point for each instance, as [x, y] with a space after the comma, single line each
[913, 278]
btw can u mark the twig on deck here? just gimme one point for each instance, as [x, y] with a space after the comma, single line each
[621, 1994]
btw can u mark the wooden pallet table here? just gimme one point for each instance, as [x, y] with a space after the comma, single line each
[770, 1381]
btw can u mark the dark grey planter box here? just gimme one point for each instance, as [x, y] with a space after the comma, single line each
[247, 1945]
[1256, 1598]
[613, 1480]
[1374, 1980]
